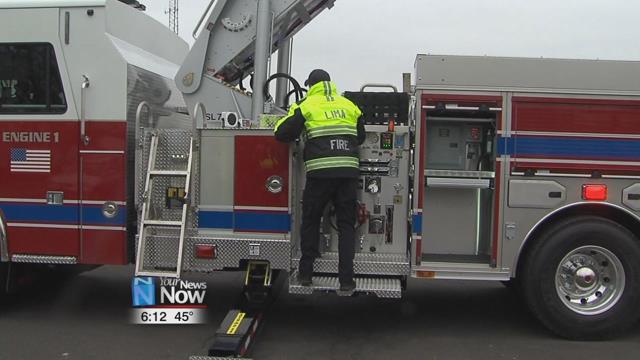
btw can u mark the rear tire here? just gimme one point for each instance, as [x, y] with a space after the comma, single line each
[582, 278]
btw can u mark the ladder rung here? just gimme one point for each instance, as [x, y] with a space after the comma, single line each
[162, 223]
[158, 273]
[168, 173]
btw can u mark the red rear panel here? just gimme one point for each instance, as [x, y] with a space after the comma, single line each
[259, 158]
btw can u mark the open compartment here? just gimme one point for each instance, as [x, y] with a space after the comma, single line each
[458, 199]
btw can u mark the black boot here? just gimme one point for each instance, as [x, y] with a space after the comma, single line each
[304, 279]
[347, 288]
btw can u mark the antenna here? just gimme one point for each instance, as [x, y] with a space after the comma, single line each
[174, 19]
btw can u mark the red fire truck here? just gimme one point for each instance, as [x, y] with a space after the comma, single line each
[481, 168]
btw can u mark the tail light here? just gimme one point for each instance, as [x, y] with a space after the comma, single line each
[594, 192]
[206, 251]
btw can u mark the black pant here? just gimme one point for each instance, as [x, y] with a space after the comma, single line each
[317, 193]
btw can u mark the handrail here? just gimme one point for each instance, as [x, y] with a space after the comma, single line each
[141, 106]
[395, 89]
[199, 106]
[83, 129]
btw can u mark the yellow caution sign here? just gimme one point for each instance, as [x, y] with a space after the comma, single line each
[233, 328]
[175, 197]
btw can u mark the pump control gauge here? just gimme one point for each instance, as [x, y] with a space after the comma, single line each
[372, 139]
[376, 225]
[372, 185]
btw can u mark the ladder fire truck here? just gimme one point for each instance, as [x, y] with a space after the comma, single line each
[480, 168]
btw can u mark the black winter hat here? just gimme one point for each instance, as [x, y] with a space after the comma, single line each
[316, 76]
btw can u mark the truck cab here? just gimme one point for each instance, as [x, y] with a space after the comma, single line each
[73, 75]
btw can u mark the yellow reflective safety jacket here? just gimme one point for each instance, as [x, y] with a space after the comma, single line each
[333, 129]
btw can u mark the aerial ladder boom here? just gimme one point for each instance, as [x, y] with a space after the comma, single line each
[234, 39]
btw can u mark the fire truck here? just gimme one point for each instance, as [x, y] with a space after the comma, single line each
[120, 144]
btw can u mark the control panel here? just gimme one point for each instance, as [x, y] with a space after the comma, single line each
[383, 204]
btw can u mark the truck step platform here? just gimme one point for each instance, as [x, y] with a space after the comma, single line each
[390, 288]
[363, 264]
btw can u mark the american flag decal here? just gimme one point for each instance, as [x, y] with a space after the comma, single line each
[26, 160]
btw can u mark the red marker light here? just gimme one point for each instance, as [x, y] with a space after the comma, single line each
[206, 251]
[594, 192]
[363, 214]
[392, 125]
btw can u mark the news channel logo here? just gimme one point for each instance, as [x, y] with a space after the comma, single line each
[167, 301]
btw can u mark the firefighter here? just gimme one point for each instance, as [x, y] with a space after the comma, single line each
[333, 129]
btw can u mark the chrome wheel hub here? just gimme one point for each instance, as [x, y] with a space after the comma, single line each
[586, 278]
[590, 280]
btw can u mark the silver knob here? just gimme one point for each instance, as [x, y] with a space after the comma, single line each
[275, 184]
[109, 209]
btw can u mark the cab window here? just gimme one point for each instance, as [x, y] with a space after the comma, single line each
[30, 80]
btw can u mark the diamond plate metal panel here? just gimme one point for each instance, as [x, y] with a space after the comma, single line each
[381, 287]
[173, 149]
[364, 263]
[231, 251]
[43, 259]
[158, 209]
[161, 250]
[172, 154]
[199, 357]
[146, 87]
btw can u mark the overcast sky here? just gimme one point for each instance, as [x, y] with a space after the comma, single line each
[361, 41]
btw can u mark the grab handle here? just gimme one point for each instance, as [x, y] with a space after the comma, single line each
[383, 86]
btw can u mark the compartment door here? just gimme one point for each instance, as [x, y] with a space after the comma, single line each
[261, 195]
[103, 215]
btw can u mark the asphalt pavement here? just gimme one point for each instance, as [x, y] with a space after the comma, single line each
[87, 317]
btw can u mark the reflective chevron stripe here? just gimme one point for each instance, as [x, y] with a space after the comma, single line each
[332, 130]
[332, 162]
